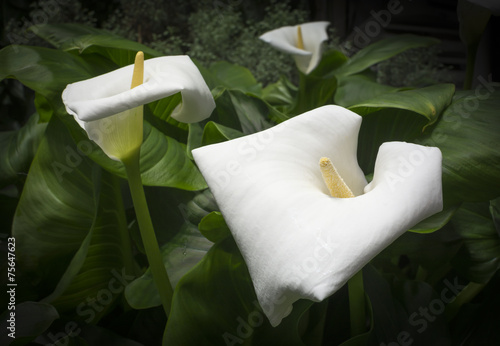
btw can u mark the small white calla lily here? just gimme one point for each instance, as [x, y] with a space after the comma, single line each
[302, 41]
[110, 111]
[297, 240]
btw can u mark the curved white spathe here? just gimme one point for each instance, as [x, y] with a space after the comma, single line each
[110, 93]
[297, 240]
[111, 112]
[286, 40]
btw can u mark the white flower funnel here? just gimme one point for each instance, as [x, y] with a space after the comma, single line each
[297, 240]
[107, 108]
[303, 41]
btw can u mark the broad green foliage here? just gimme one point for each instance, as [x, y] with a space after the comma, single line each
[17, 149]
[76, 232]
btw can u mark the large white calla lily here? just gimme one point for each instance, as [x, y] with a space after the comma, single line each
[110, 111]
[303, 41]
[297, 240]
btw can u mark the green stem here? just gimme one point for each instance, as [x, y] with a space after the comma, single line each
[126, 244]
[471, 61]
[465, 296]
[357, 304]
[151, 247]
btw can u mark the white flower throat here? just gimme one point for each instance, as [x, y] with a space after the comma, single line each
[336, 185]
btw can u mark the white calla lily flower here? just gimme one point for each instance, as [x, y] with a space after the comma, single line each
[110, 111]
[303, 41]
[297, 240]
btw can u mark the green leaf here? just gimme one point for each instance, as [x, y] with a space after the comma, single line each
[495, 213]
[281, 93]
[220, 283]
[314, 91]
[330, 61]
[99, 269]
[317, 88]
[164, 161]
[468, 135]
[180, 254]
[429, 102]
[234, 77]
[214, 227]
[200, 206]
[164, 107]
[85, 40]
[479, 257]
[382, 50]
[390, 124]
[216, 133]
[74, 218]
[17, 149]
[30, 320]
[56, 208]
[46, 71]
[400, 311]
[358, 88]
[434, 222]
[241, 112]
[194, 138]
[58, 34]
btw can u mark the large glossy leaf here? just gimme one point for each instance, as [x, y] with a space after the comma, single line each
[281, 93]
[71, 223]
[215, 133]
[241, 112]
[235, 77]
[56, 208]
[17, 149]
[47, 71]
[382, 50]
[358, 88]
[164, 161]
[314, 91]
[479, 257]
[214, 227]
[429, 101]
[318, 87]
[86, 40]
[468, 135]
[220, 283]
[99, 268]
[180, 254]
[435, 222]
[390, 124]
[398, 116]
[400, 310]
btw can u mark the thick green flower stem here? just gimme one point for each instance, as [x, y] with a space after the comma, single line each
[471, 61]
[465, 296]
[151, 247]
[357, 304]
